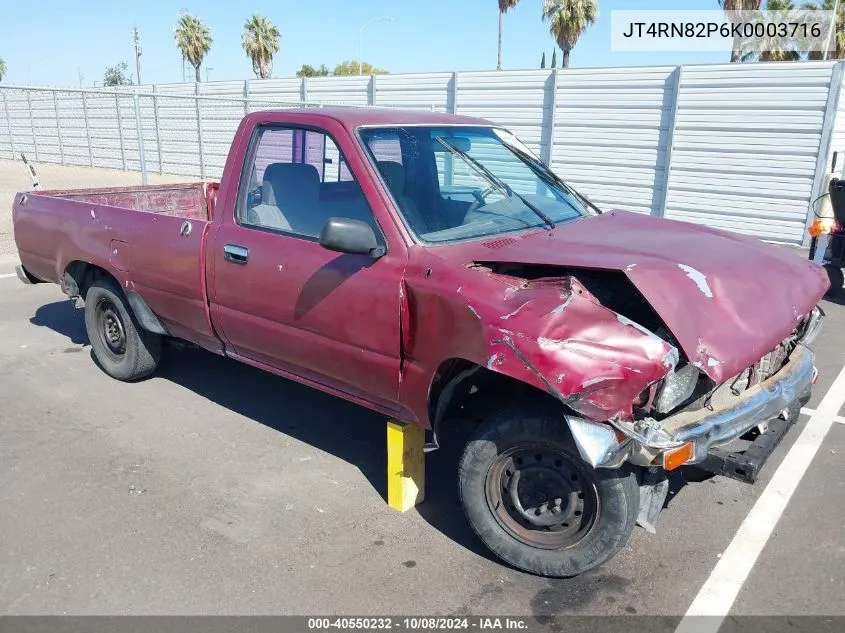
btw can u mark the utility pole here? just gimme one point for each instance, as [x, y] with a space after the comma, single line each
[831, 30]
[81, 76]
[361, 38]
[136, 42]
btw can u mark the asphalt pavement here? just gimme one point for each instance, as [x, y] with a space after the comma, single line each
[216, 488]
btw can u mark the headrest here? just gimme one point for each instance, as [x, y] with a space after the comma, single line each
[394, 174]
[299, 182]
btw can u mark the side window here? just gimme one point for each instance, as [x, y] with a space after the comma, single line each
[298, 180]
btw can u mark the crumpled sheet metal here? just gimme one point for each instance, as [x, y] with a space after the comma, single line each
[555, 334]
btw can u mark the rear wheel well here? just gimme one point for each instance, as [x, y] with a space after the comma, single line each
[464, 391]
[79, 276]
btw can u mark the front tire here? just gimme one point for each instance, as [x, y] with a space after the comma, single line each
[121, 348]
[535, 503]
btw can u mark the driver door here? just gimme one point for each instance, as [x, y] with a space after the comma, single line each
[282, 300]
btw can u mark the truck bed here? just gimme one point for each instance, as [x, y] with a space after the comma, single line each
[150, 238]
[185, 200]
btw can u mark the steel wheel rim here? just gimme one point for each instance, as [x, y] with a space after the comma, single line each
[542, 497]
[110, 329]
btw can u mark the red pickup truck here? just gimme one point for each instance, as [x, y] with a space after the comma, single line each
[426, 265]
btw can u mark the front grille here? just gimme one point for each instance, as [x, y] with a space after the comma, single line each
[769, 365]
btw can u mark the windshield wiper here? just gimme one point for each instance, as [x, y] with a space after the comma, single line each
[550, 178]
[494, 180]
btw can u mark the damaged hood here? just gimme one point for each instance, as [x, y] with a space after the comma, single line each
[727, 299]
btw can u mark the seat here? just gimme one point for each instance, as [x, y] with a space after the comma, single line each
[290, 199]
[394, 174]
[267, 212]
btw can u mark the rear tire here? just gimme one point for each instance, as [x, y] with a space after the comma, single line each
[535, 503]
[121, 348]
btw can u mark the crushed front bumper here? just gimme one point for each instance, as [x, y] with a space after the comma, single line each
[602, 447]
[708, 429]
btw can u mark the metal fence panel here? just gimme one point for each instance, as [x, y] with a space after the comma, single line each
[222, 89]
[745, 147]
[220, 121]
[5, 128]
[106, 146]
[43, 112]
[283, 90]
[739, 146]
[610, 134]
[516, 103]
[179, 136]
[71, 122]
[345, 90]
[428, 91]
[20, 123]
[837, 142]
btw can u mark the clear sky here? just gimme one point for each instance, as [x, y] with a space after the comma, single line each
[49, 42]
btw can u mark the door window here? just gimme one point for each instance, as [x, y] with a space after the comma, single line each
[299, 178]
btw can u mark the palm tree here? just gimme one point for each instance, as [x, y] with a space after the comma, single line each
[261, 41]
[838, 51]
[2, 68]
[504, 7]
[729, 6]
[568, 20]
[194, 39]
[779, 49]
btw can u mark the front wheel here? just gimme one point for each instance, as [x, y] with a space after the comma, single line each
[535, 503]
[120, 346]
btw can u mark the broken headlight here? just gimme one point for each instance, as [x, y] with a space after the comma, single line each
[675, 388]
[812, 325]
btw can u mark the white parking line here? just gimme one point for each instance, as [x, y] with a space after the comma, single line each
[720, 590]
[838, 419]
[5, 275]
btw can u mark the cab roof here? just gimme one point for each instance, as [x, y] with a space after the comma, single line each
[352, 117]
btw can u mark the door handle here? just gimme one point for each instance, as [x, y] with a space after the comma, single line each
[235, 254]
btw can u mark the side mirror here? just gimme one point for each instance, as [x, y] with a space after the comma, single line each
[345, 235]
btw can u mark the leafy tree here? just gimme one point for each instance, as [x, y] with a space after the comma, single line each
[308, 70]
[117, 75]
[543, 60]
[738, 54]
[261, 42]
[568, 20]
[3, 68]
[350, 67]
[504, 7]
[554, 58]
[194, 40]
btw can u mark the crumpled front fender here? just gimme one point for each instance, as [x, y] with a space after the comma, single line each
[556, 335]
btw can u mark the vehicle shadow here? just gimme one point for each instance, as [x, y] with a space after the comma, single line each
[62, 317]
[343, 429]
[836, 296]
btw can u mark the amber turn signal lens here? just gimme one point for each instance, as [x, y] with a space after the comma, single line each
[678, 456]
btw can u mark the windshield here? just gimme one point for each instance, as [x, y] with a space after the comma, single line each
[455, 183]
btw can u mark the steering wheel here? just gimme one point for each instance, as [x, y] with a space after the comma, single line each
[480, 197]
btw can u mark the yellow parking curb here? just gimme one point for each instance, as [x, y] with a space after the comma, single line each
[405, 465]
